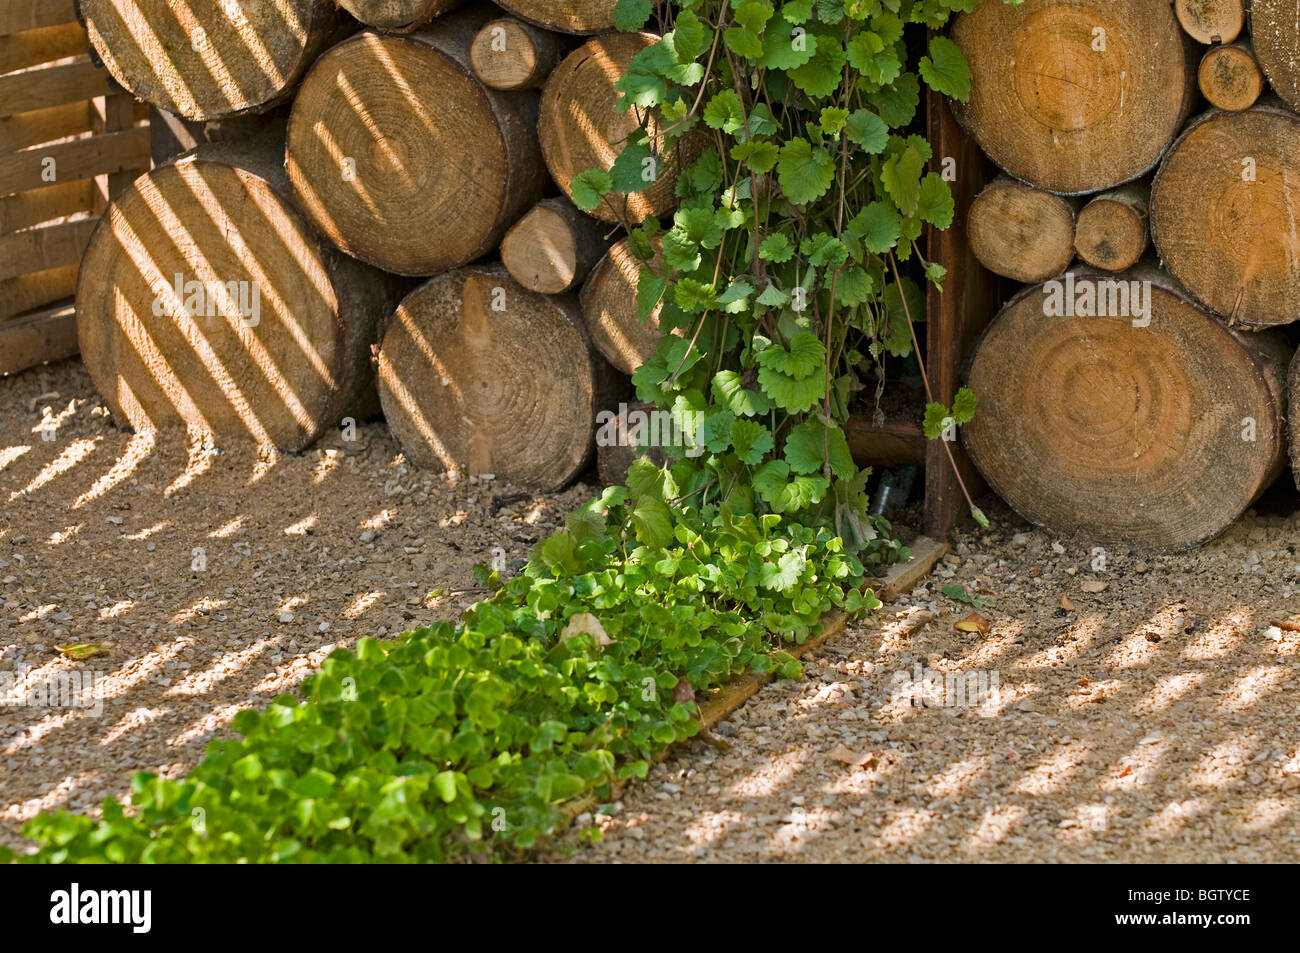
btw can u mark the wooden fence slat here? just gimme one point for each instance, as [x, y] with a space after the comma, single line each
[79, 159]
[52, 86]
[37, 206]
[37, 289]
[19, 15]
[42, 125]
[49, 335]
[40, 249]
[113, 114]
[25, 50]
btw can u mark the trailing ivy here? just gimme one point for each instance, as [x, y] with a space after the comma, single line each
[792, 261]
[460, 741]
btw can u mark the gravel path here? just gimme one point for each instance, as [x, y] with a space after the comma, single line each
[218, 582]
[1154, 722]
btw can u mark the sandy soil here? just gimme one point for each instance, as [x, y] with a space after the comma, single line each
[218, 580]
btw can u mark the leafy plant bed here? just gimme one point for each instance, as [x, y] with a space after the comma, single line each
[467, 741]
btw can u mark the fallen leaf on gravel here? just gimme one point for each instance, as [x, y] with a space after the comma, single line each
[1125, 773]
[83, 650]
[683, 692]
[1287, 626]
[974, 623]
[846, 755]
[1094, 586]
[584, 623]
[1066, 604]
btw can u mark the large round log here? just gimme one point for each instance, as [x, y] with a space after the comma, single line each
[398, 15]
[403, 158]
[1075, 96]
[205, 59]
[511, 54]
[1275, 35]
[1145, 420]
[1224, 209]
[566, 16]
[1112, 232]
[554, 247]
[609, 304]
[1021, 232]
[206, 297]
[581, 127]
[479, 375]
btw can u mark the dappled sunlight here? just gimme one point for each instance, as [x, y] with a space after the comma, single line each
[993, 828]
[69, 457]
[1053, 773]
[1222, 637]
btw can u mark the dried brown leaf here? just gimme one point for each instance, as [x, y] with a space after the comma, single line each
[974, 623]
[1094, 586]
[857, 759]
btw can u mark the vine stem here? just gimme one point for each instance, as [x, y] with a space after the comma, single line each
[925, 378]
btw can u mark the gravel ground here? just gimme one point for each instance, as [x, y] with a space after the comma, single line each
[1155, 721]
[218, 579]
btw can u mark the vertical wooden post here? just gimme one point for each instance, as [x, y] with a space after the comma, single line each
[970, 298]
[112, 113]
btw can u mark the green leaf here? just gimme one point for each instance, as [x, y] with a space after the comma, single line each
[901, 176]
[963, 406]
[804, 356]
[632, 15]
[821, 76]
[936, 204]
[776, 248]
[724, 112]
[653, 522]
[945, 70]
[759, 156]
[589, 188]
[635, 169]
[787, 49]
[877, 226]
[867, 130]
[897, 102]
[805, 171]
[751, 441]
[729, 389]
[650, 290]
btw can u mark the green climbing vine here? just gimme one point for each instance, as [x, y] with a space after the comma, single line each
[791, 264]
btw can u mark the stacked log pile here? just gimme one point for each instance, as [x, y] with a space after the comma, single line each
[1131, 398]
[397, 230]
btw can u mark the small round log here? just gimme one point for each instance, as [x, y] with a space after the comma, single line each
[1211, 21]
[1112, 229]
[554, 247]
[1021, 232]
[1230, 78]
[512, 54]
[609, 304]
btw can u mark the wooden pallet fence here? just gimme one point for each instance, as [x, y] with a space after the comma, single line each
[70, 140]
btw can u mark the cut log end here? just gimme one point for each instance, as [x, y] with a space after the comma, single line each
[206, 298]
[571, 16]
[1069, 109]
[1223, 213]
[1112, 229]
[1156, 435]
[1275, 37]
[1230, 78]
[581, 128]
[479, 375]
[1021, 232]
[1211, 21]
[200, 60]
[397, 15]
[609, 303]
[403, 158]
[510, 54]
[553, 248]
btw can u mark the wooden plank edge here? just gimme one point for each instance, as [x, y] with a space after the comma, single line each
[38, 338]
